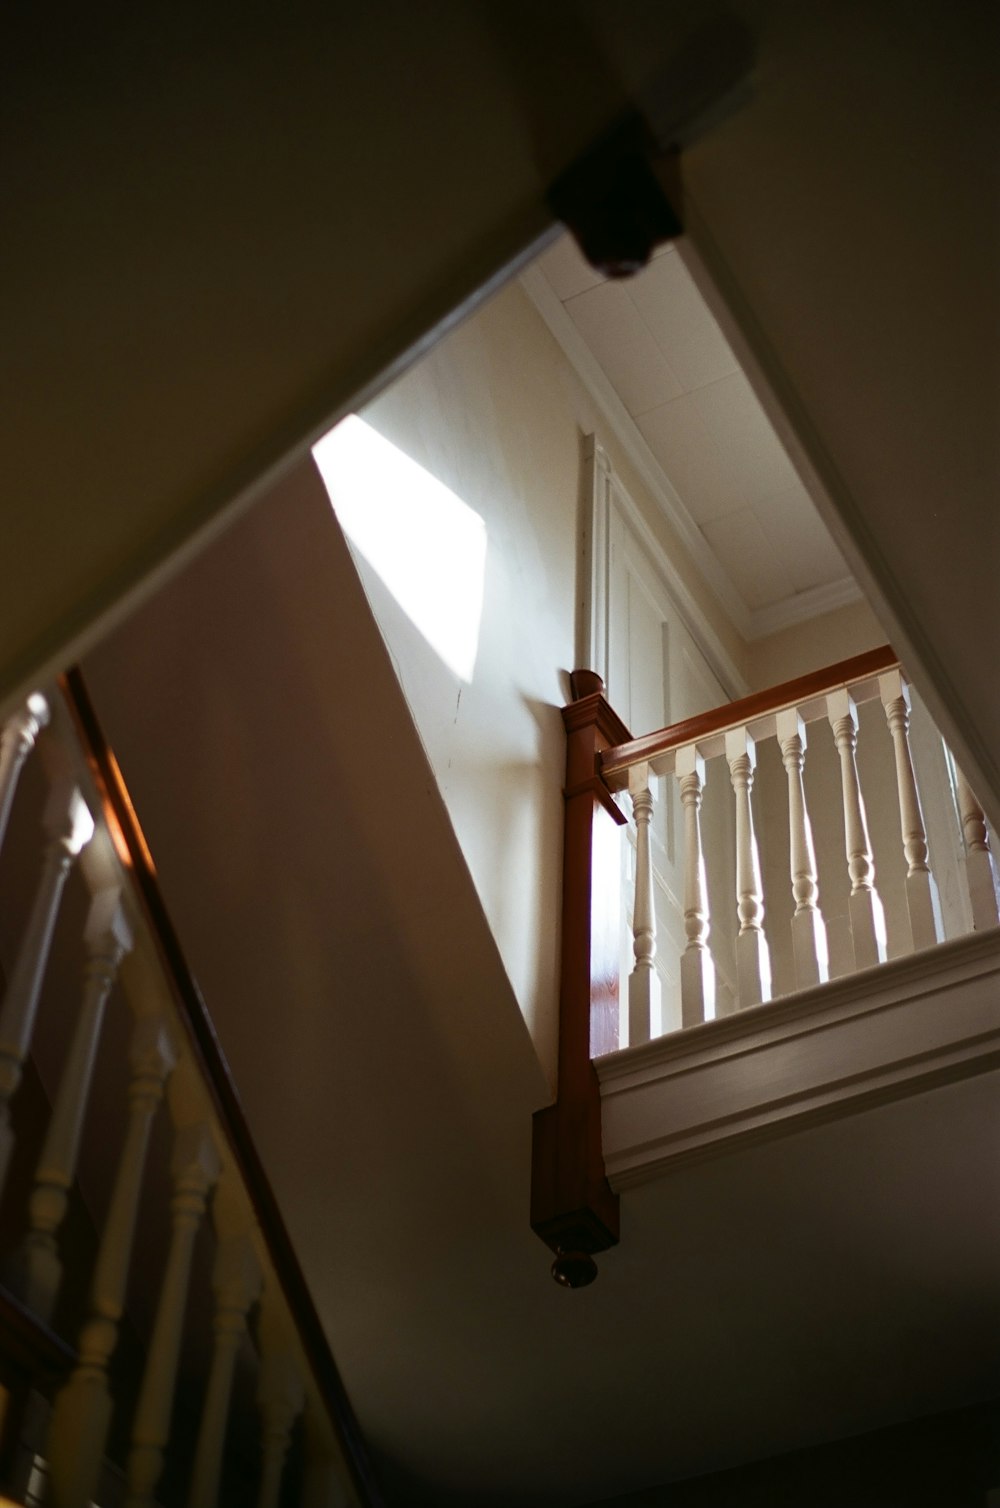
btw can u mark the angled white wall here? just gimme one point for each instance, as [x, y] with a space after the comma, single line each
[497, 416]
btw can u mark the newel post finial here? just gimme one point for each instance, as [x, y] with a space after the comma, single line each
[585, 683]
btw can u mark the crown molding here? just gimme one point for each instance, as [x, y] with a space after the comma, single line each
[803, 606]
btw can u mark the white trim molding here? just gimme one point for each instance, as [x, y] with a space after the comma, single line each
[750, 623]
[820, 1054]
[804, 606]
[607, 496]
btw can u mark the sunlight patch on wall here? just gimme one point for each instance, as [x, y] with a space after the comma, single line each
[427, 546]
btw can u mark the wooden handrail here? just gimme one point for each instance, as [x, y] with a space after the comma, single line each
[615, 763]
[127, 835]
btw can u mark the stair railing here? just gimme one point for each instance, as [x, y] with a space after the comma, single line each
[573, 1207]
[180, 1431]
[734, 733]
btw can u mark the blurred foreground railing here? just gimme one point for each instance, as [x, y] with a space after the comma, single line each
[229, 1393]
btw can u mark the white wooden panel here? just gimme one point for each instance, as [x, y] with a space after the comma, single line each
[819, 1054]
[657, 674]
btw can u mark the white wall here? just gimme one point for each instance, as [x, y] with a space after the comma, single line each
[808, 646]
[497, 415]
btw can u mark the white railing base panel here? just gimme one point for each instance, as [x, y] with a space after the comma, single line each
[820, 1054]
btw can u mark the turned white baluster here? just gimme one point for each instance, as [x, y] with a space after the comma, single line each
[753, 958]
[195, 1168]
[645, 1017]
[82, 1415]
[809, 943]
[865, 904]
[980, 868]
[325, 1484]
[69, 826]
[280, 1393]
[922, 901]
[16, 742]
[107, 938]
[236, 1282]
[697, 964]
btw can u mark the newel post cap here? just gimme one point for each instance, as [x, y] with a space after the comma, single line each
[585, 683]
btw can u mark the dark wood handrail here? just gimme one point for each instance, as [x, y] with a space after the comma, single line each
[615, 763]
[134, 852]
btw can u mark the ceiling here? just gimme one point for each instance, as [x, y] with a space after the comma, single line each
[691, 414]
[797, 1290]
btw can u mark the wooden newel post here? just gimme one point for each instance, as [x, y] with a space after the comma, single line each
[573, 1208]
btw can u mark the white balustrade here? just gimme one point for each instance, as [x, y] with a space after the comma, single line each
[236, 1283]
[922, 901]
[195, 1168]
[81, 1418]
[68, 826]
[16, 742]
[753, 959]
[107, 938]
[80, 1425]
[834, 697]
[644, 1002]
[809, 941]
[867, 917]
[980, 867]
[697, 964]
[280, 1393]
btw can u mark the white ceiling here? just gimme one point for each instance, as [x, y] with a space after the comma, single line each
[690, 410]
